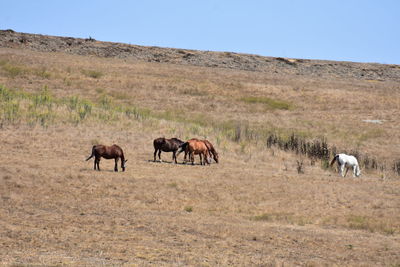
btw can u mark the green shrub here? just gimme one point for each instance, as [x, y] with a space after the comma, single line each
[11, 111]
[85, 109]
[43, 98]
[189, 209]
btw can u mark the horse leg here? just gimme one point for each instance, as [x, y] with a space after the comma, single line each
[354, 170]
[191, 156]
[155, 153]
[98, 164]
[159, 155]
[116, 164]
[201, 160]
[206, 158]
[95, 162]
[347, 169]
[174, 156]
[342, 169]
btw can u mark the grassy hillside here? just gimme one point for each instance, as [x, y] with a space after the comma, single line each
[265, 203]
[238, 105]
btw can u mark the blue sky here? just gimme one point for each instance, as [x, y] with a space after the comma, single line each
[345, 30]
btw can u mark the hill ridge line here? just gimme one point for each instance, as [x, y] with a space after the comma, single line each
[230, 60]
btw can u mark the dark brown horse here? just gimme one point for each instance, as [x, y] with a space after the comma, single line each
[166, 145]
[108, 152]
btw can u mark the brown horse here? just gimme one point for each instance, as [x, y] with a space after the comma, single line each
[212, 153]
[166, 145]
[195, 147]
[108, 152]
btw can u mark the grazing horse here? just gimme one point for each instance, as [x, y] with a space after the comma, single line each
[108, 152]
[166, 145]
[346, 161]
[195, 147]
[212, 153]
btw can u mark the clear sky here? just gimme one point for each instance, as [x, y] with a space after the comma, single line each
[349, 30]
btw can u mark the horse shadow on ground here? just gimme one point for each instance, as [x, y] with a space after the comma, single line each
[102, 170]
[173, 163]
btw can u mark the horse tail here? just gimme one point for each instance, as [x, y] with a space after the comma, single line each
[91, 156]
[334, 159]
[155, 143]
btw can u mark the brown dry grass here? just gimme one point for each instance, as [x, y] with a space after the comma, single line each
[334, 108]
[251, 209]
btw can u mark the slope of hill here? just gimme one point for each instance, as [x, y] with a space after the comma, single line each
[263, 204]
[302, 67]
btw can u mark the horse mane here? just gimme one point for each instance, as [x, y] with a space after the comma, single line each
[212, 149]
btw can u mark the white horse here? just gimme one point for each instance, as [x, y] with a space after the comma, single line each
[346, 161]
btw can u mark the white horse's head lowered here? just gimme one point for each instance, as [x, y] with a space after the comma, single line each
[345, 161]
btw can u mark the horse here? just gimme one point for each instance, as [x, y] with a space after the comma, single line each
[193, 147]
[346, 161]
[185, 148]
[166, 145]
[108, 152]
[212, 153]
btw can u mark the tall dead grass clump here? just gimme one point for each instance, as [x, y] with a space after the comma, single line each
[396, 166]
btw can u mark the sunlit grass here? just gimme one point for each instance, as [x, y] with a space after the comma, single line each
[13, 70]
[268, 102]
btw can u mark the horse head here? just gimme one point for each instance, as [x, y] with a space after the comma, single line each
[123, 165]
[358, 172]
[215, 156]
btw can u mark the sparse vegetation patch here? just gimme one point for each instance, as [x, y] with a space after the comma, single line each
[268, 102]
[289, 218]
[93, 73]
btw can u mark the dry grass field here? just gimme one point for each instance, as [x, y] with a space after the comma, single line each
[259, 206]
